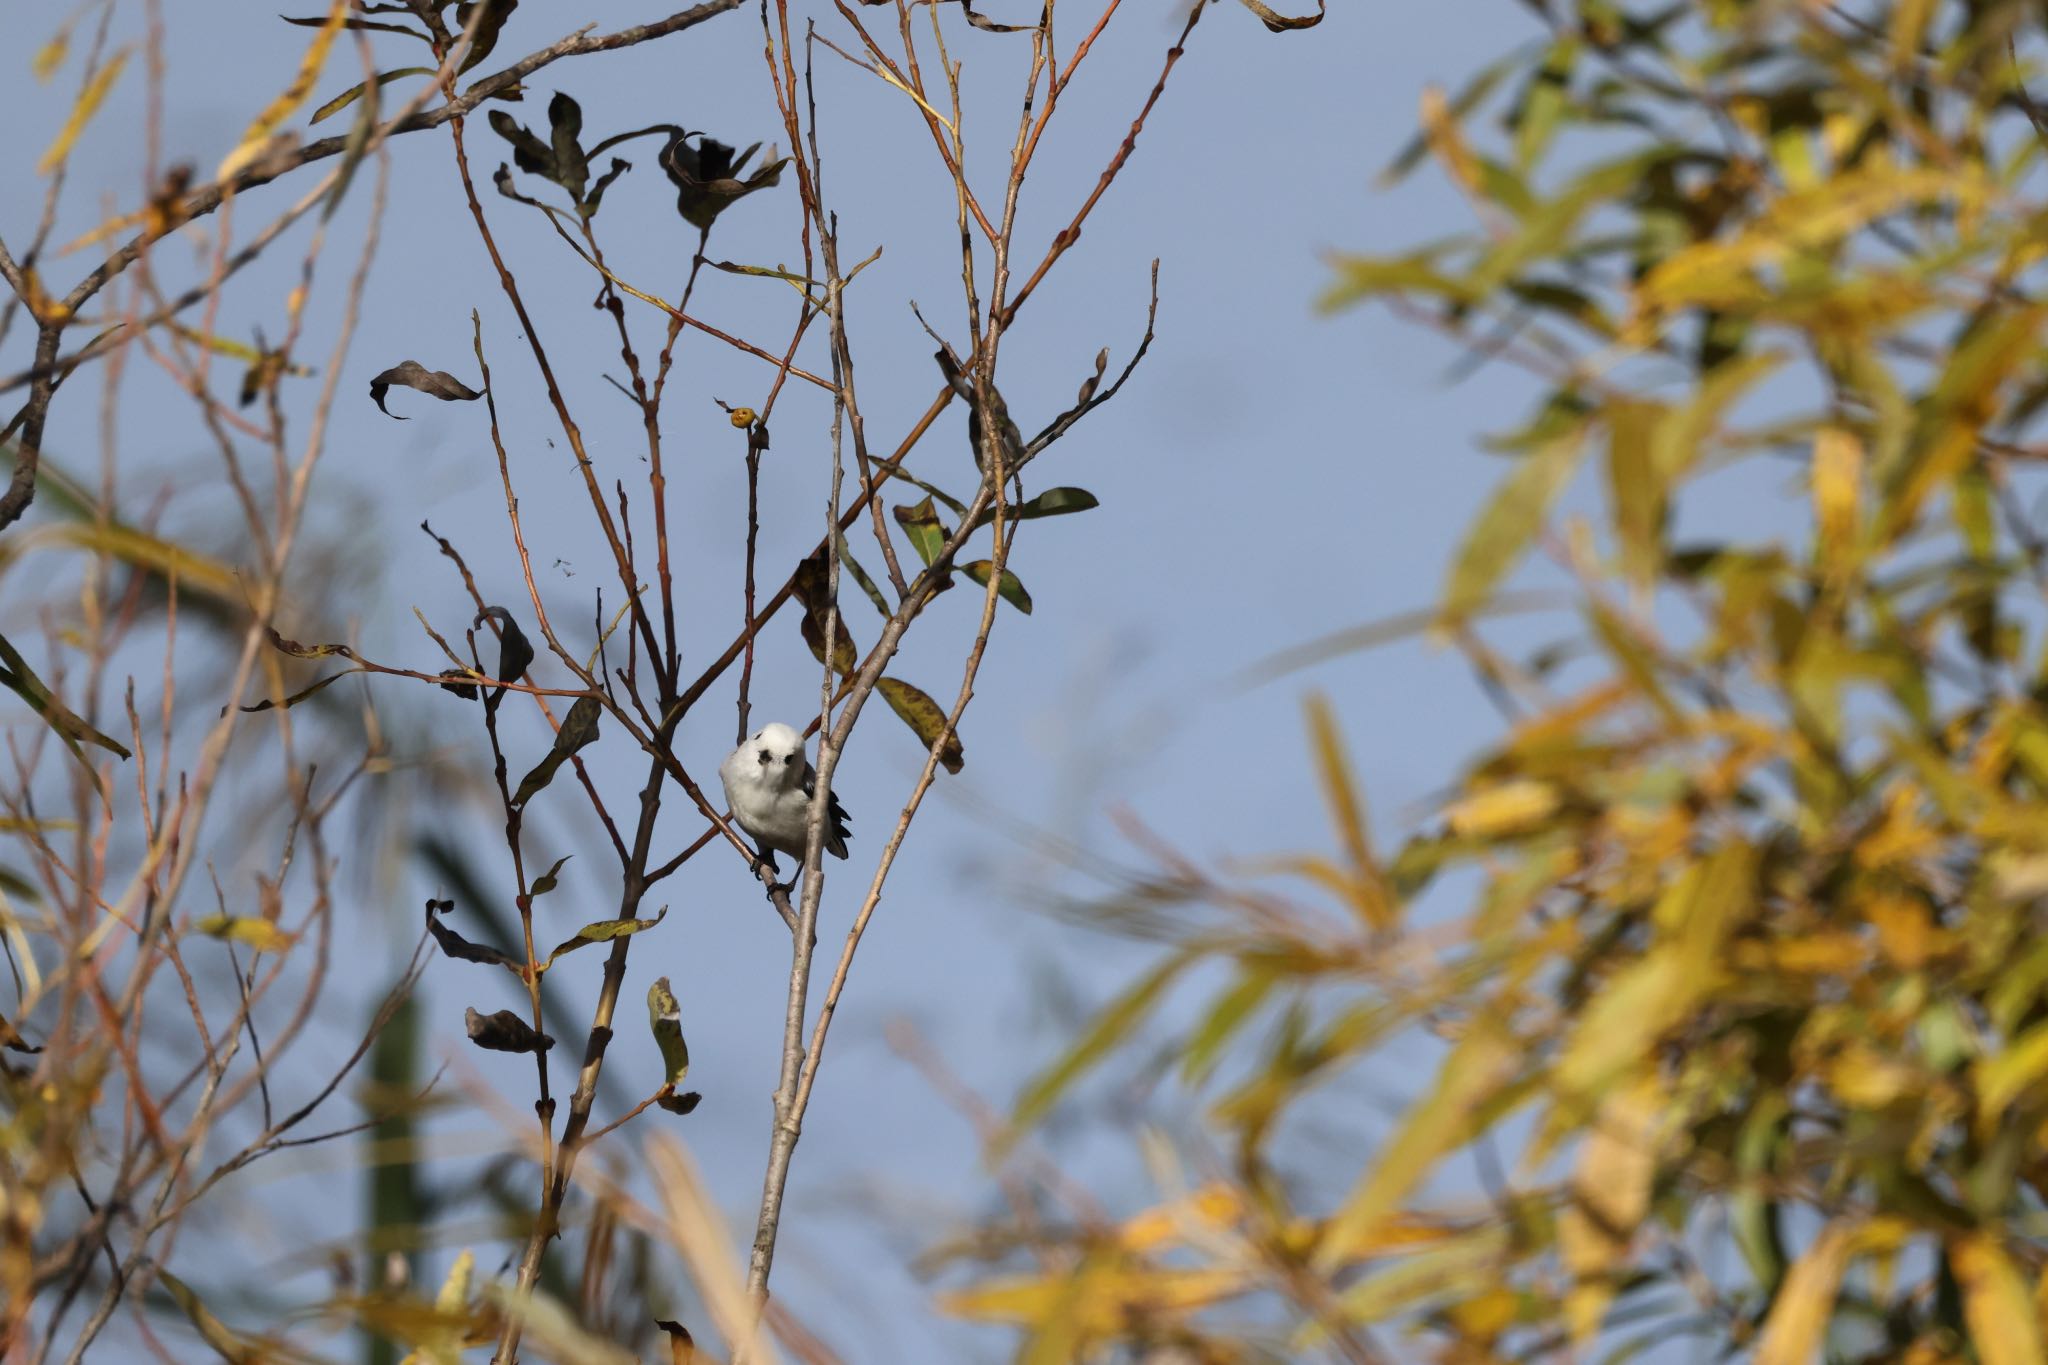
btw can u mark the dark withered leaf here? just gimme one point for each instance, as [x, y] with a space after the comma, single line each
[988, 25]
[579, 728]
[1280, 23]
[303, 651]
[925, 717]
[458, 682]
[565, 130]
[502, 178]
[590, 201]
[295, 698]
[460, 948]
[682, 1347]
[529, 153]
[515, 651]
[813, 591]
[413, 375]
[487, 29]
[504, 1031]
[12, 1040]
[708, 177]
[680, 1104]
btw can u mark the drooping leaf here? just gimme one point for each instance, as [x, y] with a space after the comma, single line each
[413, 375]
[17, 677]
[515, 651]
[231, 1345]
[925, 718]
[461, 949]
[860, 576]
[1011, 589]
[11, 1039]
[927, 533]
[811, 585]
[665, 1017]
[303, 651]
[589, 204]
[565, 129]
[257, 136]
[504, 1031]
[355, 92]
[486, 37]
[579, 729]
[311, 691]
[602, 931]
[89, 100]
[682, 1347]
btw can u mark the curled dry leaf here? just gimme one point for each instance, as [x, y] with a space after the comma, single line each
[504, 1031]
[413, 375]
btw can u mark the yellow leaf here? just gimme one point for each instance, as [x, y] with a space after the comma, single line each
[1368, 892]
[87, 104]
[1210, 1207]
[295, 94]
[1996, 1305]
[1610, 1193]
[1720, 270]
[1440, 130]
[1433, 1129]
[1097, 1298]
[259, 934]
[1837, 490]
[2004, 1078]
[1806, 1301]
[1500, 809]
[51, 55]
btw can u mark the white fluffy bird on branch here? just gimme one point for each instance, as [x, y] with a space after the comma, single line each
[769, 784]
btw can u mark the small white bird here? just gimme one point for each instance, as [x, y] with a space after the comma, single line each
[769, 784]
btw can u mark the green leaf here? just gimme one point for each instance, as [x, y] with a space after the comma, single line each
[1113, 1025]
[1512, 517]
[17, 677]
[355, 92]
[927, 533]
[1225, 1017]
[546, 881]
[665, 1017]
[923, 716]
[1011, 588]
[1053, 502]
[602, 931]
[860, 576]
[579, 730]
[1544, 102]
[215, 1333]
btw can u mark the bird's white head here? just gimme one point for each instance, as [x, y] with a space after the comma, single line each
[775, 755]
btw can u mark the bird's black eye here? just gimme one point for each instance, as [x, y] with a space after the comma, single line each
[790, 759]
[766, 756]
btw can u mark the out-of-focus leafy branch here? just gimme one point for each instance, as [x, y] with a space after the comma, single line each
[1724, 963]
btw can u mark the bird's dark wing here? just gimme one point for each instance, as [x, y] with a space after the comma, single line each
[836, 832]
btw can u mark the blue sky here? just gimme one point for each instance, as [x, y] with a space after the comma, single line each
[1267, 476]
